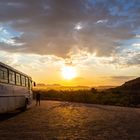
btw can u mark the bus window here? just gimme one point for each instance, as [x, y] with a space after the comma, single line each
[18, 81]
[23, 80]
[27, 83]
[11, 77]
[30, 84]
[3, 74]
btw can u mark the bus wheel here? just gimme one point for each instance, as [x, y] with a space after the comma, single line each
[25, 105]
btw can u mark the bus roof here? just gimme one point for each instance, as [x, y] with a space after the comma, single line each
[11, 68]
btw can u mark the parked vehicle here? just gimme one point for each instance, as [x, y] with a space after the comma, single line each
[15, 89]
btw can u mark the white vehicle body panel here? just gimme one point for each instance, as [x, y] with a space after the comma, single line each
[14, 96]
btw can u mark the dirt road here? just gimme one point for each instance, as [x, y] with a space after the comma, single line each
[63, 120]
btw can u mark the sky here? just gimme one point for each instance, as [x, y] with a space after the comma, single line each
[99, 39]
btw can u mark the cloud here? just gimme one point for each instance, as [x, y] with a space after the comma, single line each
[31, 63]
[78, 26]
[120, 78]
[102, 21]
[136, 44]
[127, 58]
[49, 27]
[137, 36]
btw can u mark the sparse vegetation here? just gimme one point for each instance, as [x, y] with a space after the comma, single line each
[106, 97]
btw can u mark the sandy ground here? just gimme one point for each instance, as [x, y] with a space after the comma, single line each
[63, 120]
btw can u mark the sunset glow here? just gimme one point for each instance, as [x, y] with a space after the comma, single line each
[68, 73]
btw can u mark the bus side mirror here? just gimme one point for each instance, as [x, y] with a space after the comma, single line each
[34, 84]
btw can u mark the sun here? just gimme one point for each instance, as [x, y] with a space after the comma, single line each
[68, 72]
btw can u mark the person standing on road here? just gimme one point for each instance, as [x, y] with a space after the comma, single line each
[38, 99]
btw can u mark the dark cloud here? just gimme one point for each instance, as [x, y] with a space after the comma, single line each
[48, 26]
[122, 77]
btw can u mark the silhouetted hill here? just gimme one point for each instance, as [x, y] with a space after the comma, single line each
[128, 93]
[131, 85]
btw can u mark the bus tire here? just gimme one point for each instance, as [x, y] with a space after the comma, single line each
[24, 108]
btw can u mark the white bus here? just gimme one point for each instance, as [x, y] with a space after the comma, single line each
[15, 89]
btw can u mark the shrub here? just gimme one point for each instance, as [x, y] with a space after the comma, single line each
[86, 96]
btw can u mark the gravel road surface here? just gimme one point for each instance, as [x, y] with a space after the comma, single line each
[55, 120]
